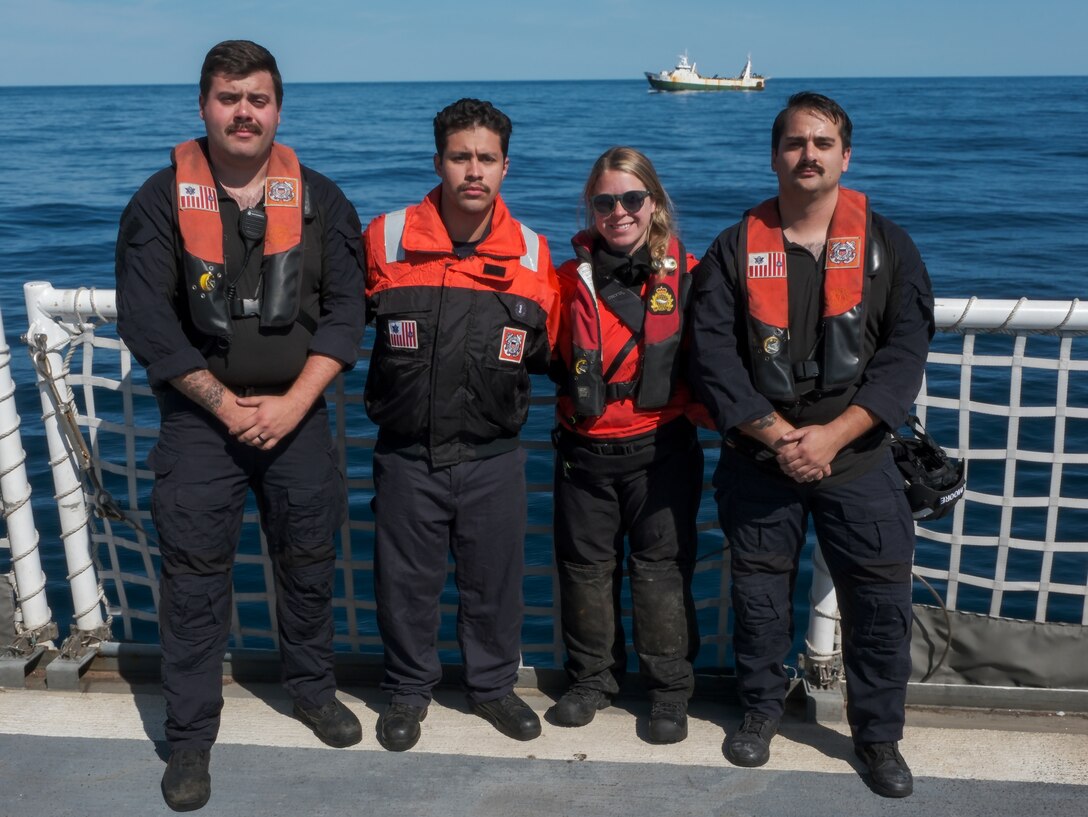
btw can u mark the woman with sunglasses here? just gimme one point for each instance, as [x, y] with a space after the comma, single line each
[628, 463]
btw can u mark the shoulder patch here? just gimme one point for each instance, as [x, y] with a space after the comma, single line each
[280, 191]
[767, 265]
[197, 197]
[513, 344]
[403, 334]
[842, 253]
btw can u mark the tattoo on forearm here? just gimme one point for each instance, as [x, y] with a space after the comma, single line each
[211, 395]
[764, 422]
[204, 389]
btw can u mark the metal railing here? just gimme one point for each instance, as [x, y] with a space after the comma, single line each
[1027, 490]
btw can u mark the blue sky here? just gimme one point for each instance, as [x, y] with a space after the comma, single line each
[69, 42]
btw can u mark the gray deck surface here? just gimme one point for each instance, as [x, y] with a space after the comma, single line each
[99, 754]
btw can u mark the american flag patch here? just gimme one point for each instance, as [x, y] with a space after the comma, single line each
[197, 197]
[402, 335]
[767, 265]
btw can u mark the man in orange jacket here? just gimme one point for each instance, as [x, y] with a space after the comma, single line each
[465, 302]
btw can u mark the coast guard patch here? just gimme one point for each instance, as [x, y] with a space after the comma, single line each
[402, 335]
[197, 197]
[662, 301]
[767, 265]
[842, 252]
[280, 192]
[513, 344]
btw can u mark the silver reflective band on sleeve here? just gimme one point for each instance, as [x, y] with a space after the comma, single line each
[585, 272]
[532, 248]
[394, 236]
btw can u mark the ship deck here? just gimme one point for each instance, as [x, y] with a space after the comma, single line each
[99, 752]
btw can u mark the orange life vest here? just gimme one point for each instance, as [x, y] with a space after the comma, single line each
[842, 317]
[201, 230]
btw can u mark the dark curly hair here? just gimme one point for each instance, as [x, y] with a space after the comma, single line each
[471, 113]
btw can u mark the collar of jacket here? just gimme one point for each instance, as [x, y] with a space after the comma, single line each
[424, 230]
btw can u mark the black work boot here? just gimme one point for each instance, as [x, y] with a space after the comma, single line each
[398, 726]
[668, 721]
[889, 774]
[750, 745]
[511, 716]
[579, 704]
[333, 723]
[186, 784]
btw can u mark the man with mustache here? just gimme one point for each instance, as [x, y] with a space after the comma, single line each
[239, 288]
[811, 324]
[465, 303]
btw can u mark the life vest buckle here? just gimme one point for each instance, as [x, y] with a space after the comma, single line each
[245, 307]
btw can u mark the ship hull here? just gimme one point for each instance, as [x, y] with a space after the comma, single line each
[704, 84]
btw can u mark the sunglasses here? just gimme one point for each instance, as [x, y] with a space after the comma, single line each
[632, 201]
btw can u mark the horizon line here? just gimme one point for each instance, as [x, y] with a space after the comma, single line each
[541, 80]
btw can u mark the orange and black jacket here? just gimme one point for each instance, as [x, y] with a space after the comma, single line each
[457, 337]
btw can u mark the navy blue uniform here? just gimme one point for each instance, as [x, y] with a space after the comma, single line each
[202, 473]
[458, 332]
[860, 513]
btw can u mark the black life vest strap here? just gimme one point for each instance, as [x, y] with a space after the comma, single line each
[614, 392]
[621, 355]
[627, 306]
[620, 391]
[806, 370]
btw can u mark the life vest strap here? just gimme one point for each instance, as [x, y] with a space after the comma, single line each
[614, 392]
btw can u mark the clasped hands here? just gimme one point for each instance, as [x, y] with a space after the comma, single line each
[805, 454]
[263, 420]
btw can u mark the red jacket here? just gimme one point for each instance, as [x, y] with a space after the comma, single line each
[621, 418]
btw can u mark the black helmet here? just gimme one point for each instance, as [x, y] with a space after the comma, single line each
[934, 482]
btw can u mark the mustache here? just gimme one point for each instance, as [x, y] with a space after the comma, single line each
[810, 166]
[478, 185]
[249, 127]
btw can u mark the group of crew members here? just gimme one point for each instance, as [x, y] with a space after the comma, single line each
[244, 288]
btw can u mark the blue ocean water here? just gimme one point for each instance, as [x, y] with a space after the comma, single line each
[986, 174]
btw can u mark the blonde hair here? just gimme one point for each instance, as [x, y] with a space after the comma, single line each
[628, 160]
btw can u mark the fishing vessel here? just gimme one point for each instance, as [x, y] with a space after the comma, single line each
[685, 77]
[997, 706]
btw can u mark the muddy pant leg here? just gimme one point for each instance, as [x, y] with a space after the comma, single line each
[488, 543]
[661, 629]
[302, 501]
[867, 535]
[413, 512]
[588, 556]
[764, 522]
[589, 625]
[660, 501]
[196, 505]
